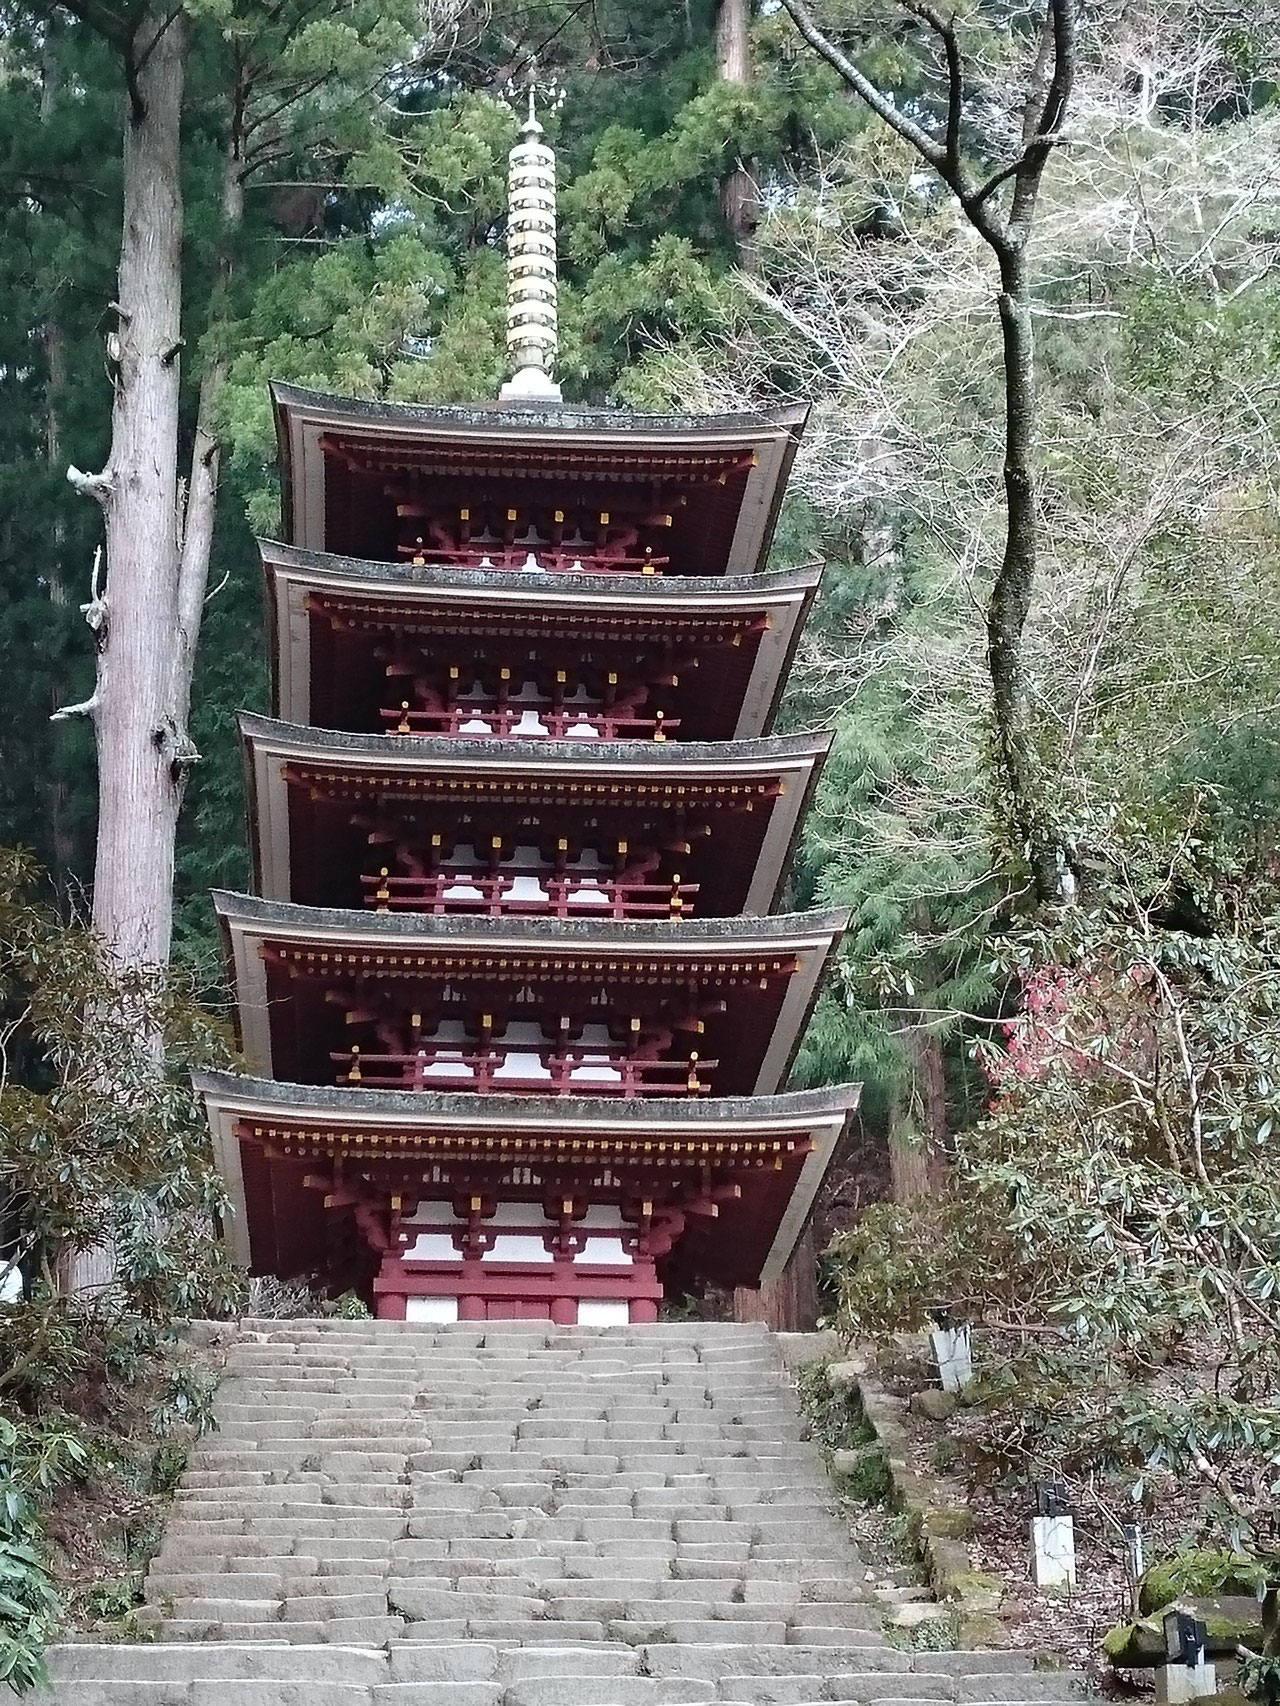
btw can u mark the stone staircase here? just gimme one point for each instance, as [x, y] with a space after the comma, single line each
[512, 1514]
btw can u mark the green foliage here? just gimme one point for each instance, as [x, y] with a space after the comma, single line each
[33, 1461]
[102, 1144]
[834, 1418]
[1199, 1573]
[1121, 1194]
[938, 1634]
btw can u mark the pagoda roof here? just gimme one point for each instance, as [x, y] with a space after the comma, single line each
[780, 1145]
[332, 944]
[746, 456]
[776, 773]
[410, 597]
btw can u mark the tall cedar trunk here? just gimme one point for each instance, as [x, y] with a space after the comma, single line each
[1011, 594]
[738, 199]
[140, 732]
[918, 1121]
[788, 1304]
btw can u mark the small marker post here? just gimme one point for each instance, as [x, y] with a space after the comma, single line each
[1053, 1539]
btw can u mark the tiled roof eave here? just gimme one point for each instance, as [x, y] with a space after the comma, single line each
[797, 1109]
[775, 931]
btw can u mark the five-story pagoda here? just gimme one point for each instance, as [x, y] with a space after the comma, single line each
[518, 1002]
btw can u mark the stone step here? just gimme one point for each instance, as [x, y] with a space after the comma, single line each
[515, 1515]
[265, 1674]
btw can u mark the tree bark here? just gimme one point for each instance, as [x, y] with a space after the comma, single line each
[918, 1121]
[739, 201]
[139, 726]
[788, 1304]
[1010, 601]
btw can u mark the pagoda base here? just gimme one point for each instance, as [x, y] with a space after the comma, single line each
[513, 1291]
[517, 1264]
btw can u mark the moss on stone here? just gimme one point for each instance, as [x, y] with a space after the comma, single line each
[1199, 1573]
[1229, 1623]
[972, 1590]
[979, 1629]
[954, 1523]
[1135, 1645]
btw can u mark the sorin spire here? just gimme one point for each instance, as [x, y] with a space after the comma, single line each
[531, 267]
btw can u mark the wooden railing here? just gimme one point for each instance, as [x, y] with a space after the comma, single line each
[530, 720]
[538, 559]
[550, 1071]
[506, 894]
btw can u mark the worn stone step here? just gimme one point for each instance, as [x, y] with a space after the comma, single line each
[438, 1694]
[90, 1661]
[564, 1517]
[616, 1691]
[711, 1659]
[980, 1684]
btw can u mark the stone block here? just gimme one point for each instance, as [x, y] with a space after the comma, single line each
[773, 1690]
[309, 1607]
[225, 1660]
[422, 1603]
[122, 1692]
[558, 1633]
[242, 1693]
[522, 1663]
[616, 1691]
[443, 1661]
[1002, 1688]
[437, 1694]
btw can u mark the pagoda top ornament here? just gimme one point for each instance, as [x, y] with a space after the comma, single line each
[532, 330]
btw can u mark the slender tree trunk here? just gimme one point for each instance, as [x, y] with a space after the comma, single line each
[1050, 83]
[141, 737]
[1011, 594]
[206, 451]
[739, 201]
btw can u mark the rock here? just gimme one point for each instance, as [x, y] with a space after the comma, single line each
[979, 1629]
[799, 1349]
[206, 1335]
[845, 1376]
[1230, 1621]
[1135, 1646]
[934, 1403]
[852, 1460]
[955, 1523]
[1196, 1574]
[972, 1590]
[916, 1612]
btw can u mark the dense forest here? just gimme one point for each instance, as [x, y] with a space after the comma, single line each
[1022, 263]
